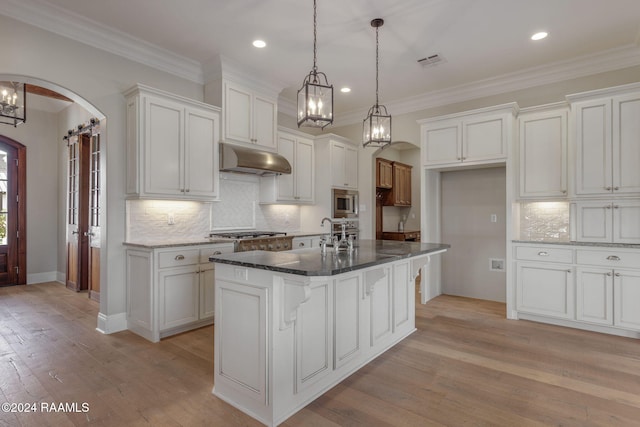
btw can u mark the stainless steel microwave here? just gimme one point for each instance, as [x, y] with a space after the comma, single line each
[344, 203]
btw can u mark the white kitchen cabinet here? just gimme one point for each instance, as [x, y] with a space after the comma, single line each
[607, 151]
[545, 289]
[172, 146]
[170, 290]
[608, 221]
[250, 117]
[348, 312]
[543, 153]
[626, 291]
[297, 187]
[306, 242]
[344, 165]
[466, 139]
[594, 295]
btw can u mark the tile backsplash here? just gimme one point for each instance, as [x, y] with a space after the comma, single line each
[545, 221]
[238, 208]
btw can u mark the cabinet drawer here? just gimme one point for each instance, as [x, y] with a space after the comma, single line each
[546, 254]
[178, 258]
[610, 258]
[215, 250]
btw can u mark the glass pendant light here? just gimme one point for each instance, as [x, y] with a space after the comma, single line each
[315, 97]
[376, 128]
[13, 102]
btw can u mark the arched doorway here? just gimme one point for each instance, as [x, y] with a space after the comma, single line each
[13, 227]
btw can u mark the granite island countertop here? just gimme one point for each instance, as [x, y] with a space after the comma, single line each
[574, 243]
[311, 262]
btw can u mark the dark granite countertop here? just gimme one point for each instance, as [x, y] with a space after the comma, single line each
[311, 262]
[149, 244]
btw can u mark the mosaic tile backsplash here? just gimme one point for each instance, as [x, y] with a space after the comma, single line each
[239, 208]
[545, 221]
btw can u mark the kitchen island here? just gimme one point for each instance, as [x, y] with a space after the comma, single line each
[291, 325]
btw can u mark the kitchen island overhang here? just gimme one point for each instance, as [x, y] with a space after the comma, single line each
[291, 325]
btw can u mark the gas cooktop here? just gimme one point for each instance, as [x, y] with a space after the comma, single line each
[247, 234]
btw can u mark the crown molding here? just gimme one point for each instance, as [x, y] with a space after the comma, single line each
[615, 59]
[68, 24]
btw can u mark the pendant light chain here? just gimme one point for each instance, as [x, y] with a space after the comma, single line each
[377, 63]
[315, 32]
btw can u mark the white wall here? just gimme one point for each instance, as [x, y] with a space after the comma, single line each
[39, 135]
[469, 198]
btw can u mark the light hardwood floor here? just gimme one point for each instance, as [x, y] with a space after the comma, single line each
[466, 365]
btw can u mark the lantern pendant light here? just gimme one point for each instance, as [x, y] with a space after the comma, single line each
[376, 128]
[315, 97]
[13, 104]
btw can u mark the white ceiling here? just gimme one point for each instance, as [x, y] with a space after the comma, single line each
[485, 43]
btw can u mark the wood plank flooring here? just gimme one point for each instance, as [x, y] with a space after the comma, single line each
[465, 366]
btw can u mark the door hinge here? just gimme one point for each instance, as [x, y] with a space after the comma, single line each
[16, 160]
[17, 269]
[17, 234]
[17, 198]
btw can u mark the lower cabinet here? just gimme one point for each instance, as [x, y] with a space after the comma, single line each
[170, 290]
[306, 242]
[603, 296]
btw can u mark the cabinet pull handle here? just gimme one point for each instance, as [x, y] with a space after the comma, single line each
[616, 206]
[616, 188]
[617, 274]
[569, 271]
[179, 257]
[543, 253]
[609, 274]
[301, 244]
[613, 258]
[607, 188]
[217, 253]
[608, 207]
[564, 191]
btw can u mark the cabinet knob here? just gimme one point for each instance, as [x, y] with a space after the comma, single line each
[609, 274]
[617, 274]
[616, 188]
[613, 258]
[564, 191]
[607, 188]
[543, 253]
[608, 207]
[217, 253]
[179, 257]
[616, 206]
[301, 244]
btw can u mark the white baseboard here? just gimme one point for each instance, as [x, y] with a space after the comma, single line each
[50, 276]
[112, 323]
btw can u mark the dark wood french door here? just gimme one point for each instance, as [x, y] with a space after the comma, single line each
[13, 229]
[83, 215]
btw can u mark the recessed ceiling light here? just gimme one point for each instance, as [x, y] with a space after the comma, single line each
[539, 36]
[345, 90]
[259, 43]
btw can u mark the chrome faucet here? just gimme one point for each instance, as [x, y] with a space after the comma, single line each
[323, 241]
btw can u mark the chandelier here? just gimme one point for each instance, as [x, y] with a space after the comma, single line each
[12, 104]
[315, 97]
[376, 128]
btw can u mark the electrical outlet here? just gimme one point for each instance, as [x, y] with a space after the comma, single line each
[170, 219]
[494, 218]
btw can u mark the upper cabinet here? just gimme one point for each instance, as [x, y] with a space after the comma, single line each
[344, 164]
[172, 146]
[401, 191]
[543, 153]
[607, 143]
[470, 138]
[249, 116]
[384, 173]
[298, 187]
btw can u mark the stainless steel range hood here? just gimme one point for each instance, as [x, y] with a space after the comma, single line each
[234, 158]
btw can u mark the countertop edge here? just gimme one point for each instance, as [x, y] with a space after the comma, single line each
[586, 244]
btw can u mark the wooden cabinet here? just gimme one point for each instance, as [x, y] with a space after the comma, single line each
[170, 290]
[384, 173]
[543, 153]
[405, 236]
[474, 137]
[299, 186]
[344, 165]
[607, 221]
[250, 117]
[394, 176]
[607, 151]
[172, 146]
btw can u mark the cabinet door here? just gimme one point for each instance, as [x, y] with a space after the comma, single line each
[442, 144]
[338, 156]
[626, 289]
[304, 170]
[594, 294]
[593, 147]
[384, 173]
[626, 144]
[207, 291]
[201, 154]
[163, 147]
[543, 154]
[403, 298]
[594, 222]
[401, 184]
[237, 113]
[178, 296]
[348, 322]
[484, 138]
[287, 148]
[380, 308]
[545, 289]
[265, 117]
[351, 167]
[626, 222]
